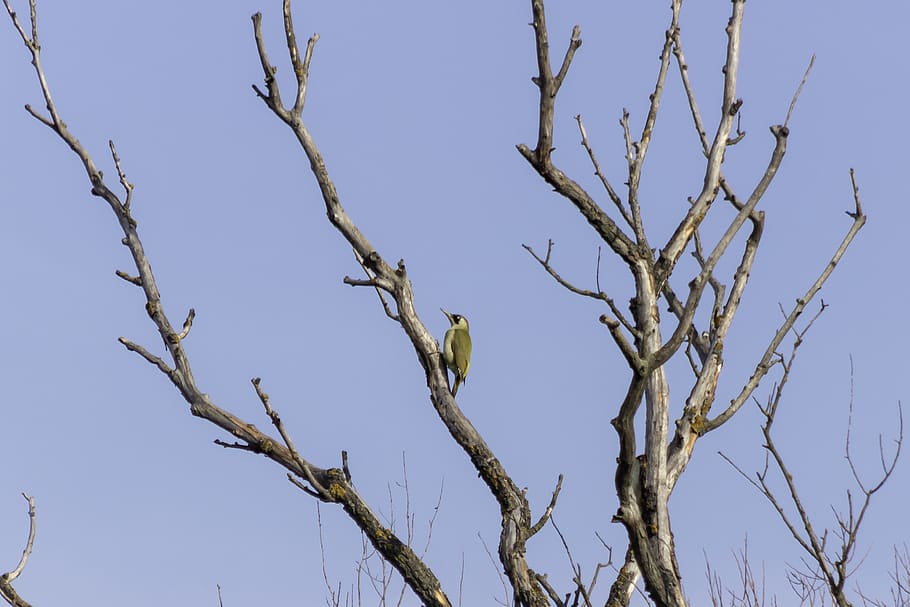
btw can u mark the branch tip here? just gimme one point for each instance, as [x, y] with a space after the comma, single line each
[187, 325]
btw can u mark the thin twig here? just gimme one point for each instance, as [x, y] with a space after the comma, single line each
[799, 90]
[502, 580]
[765, 363]
[302, 464]
[599, 295]
[614, 197]
[374, 282]
[151, 358]
[549, 511]
[127, 186]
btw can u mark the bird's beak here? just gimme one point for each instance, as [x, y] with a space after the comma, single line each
[449, 316]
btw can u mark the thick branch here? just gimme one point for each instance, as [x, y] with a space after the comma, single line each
[622, 589]
[328, 484]
[516, 525]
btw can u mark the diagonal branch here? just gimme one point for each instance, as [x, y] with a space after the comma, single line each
[765, 363]
[516, 516]
[831, 569]
[549, 511]
[378, 284]
[721, 321]
[701, 281]
[599, 295]
[328, 484]
[614, 197]
[615, 326]
[799, 89]
[318, 489]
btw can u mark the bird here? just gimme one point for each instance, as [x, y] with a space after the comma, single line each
[456, 348]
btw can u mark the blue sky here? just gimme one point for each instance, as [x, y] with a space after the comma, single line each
[417, 108]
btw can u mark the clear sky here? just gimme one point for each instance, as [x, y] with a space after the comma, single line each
[417, 107]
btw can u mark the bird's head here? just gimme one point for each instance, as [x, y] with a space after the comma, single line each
[456, 320]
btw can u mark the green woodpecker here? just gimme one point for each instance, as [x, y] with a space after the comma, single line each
[456, 348]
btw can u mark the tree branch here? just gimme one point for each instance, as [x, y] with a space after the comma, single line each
[765, 363]
[516, 523]
[540, 157]
[671, 252]
[698, 284]
[614, 197]
[638, 151]
[329, 484]
[832, 570]
[549, 511]
[7, 591]
[600, 295]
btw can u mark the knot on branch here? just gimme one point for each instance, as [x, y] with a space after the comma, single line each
[336, 485]
[372, 261]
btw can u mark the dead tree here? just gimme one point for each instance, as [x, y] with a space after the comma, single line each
[645, 474]
[645, 477]
[827, 565]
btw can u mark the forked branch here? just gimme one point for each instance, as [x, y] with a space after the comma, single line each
[329, 485]
[832, 567]
[644, 481]
[766, 361]
[730, 106]
[516, 516]
[540, 157]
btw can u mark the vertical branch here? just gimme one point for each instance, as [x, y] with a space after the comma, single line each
[548, 83]
[540, 157]
[640, 150]
[671, 252]
[7, 592]
[301, 68]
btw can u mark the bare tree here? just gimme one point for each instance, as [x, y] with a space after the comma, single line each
[644, 481]
[749, 592]
[645, 474]
[825, 571]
